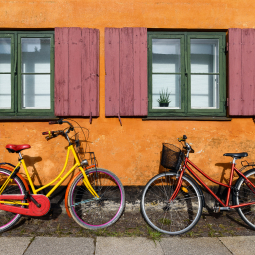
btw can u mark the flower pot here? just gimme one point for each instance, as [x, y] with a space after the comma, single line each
[163, 104]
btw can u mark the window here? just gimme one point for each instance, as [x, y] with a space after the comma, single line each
[26, 73]
[188, 69]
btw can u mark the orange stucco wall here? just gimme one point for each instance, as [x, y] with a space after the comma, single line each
[132, 150]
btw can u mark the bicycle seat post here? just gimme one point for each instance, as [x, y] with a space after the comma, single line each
[20, 156]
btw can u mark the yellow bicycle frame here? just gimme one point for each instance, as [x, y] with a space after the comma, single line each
[62, 179]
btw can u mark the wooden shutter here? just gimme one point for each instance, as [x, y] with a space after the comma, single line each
[241, 72]
[76, 72]
[126, 92]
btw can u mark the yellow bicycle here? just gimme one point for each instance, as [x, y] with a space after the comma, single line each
[95, 197]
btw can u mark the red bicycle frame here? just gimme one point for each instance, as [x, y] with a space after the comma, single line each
[228, 186]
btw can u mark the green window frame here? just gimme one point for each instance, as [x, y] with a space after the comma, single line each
[29, 73]
[178, 68]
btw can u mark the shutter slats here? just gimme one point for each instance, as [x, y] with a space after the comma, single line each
[140, 72]
[112, 66]
[85, 72]
[248, 69]
[61, 72]
[241, 72]
[76, 72]
[90, 75]
[126, 72]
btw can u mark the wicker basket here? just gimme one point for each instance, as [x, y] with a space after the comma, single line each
[171, 156]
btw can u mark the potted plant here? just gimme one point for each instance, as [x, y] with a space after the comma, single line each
[164, 98]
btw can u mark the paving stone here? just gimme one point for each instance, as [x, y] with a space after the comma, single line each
[127, 246]
[14, 245]
[191, 246]
[61, 246]
[240, 245]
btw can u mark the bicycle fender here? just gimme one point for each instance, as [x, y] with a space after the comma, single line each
[237, 184]
[68, 188]
[198, 187]
[19, 175]
[66, 195]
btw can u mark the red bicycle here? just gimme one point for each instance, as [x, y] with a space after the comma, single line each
[172, 202]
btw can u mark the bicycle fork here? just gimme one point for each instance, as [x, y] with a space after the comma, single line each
[178, 187]
[85, 179]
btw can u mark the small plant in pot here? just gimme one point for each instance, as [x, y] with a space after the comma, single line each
[164, 98]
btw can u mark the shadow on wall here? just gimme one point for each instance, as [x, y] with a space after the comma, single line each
[30, 162]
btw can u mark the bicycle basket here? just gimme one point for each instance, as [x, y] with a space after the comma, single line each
[171, 156]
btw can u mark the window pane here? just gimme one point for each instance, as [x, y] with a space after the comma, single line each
[5, 55]
[35, 57]
[5, 91]
[166, 55]
[167, 83]
[204, 55]
[204, 91]
[36, 91]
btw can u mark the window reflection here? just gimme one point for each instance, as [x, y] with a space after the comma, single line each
[204, 61]
[166, 62]
[35, 64]
[5, 73]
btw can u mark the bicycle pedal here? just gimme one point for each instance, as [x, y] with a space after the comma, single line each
[224, 208]
[216, 209]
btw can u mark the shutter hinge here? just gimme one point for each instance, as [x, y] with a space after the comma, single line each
[226, 103]
[90, 118]
[119, 119]
[226, 48]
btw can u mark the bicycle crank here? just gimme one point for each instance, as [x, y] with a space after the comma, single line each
[33, 208]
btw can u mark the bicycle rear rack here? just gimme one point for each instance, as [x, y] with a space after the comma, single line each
[246, 164]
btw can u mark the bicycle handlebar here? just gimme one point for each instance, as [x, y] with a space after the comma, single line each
[61, 121]
[53, 122]
[187, 146]
[52, 134]
[182, 139]
[64, 132]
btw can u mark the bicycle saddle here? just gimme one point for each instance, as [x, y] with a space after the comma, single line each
[236, 155]
[17, 148]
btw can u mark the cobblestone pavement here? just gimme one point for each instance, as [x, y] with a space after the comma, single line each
[131, 224]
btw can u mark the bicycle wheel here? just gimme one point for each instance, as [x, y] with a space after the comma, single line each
[16, 186]
[244, 194]
[175, 217]
[93, 213]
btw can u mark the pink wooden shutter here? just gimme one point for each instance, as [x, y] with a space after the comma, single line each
[241, 72]
[76, 72]
[126, 72]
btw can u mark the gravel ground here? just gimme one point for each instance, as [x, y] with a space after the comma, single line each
[58, 224]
